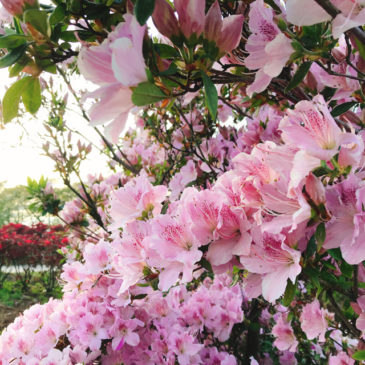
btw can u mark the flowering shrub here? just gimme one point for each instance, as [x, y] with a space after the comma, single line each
[24, 248]
[232, 228]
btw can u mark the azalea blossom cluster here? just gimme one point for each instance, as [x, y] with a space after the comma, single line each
[232, 228]
[159, 329]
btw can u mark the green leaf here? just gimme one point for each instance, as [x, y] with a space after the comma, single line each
[16, 69]
[31, 95]
[57, 15]
[273, 5]
[361, 48]
[12, 98]
[13, 56]
[170, 71]
[311, 247]
[346, 269]
[75, 6]
[143, 10]
[359, 355]
[147, 93]
[335, 253]
[211, 95]
[38, 19]
[12, 40]
[299, 76]
[206, 265]
[165, 51]
[342, 108]
[289, 293]
[320, 235]
[313, 274]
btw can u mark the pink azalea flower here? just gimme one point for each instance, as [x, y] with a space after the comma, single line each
[203, 208]
[288, 358]
[341, 359]
[310, 127]
[345, 86]
[131, 253]
[346, 229]
[288, 208]
[360, 322]
[115, 65]
[179, 181]
[269, 49]
[91, 331]
[352, 15]
[185, 348]
[313, 321]
[97, 257]
[285, 338]
[274, 260]
[305, 12]
[123, 332]
[309, 12]
[176, 250]
[134, 198]
[236, 240]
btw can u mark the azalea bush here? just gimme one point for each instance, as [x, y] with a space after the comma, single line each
[231, 229]
[25, 248]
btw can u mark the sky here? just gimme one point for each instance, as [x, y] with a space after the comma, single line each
[21, 153]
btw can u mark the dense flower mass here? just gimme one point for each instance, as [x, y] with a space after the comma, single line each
[232, 228]
[35, 245]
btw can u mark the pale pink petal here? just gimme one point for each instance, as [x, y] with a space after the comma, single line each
[305, 12]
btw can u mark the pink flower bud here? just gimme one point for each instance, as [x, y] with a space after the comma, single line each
[213, 23]
[227, 32]
[191, 16]
[165, 20]
[16, 7]
[231, 33]
[315, 189]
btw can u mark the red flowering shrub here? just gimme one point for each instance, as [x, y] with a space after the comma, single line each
[25, 247]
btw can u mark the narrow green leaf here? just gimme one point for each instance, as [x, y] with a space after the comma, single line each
[342, 108]
[12, 41]
[147, 93]
[38, 19]
[289, 293]
[211, 95]
[311, 247]
[359, 355]
[143, 10]
[57, 15]
[13, 56]
[31, 95]
[12, 98]
[320, 235]
[299, 76]
[361, 48]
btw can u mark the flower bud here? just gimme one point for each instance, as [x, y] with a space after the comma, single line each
[164, 19]
[17, 7]
[231, 33]
[191, 16]
[315, 189]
